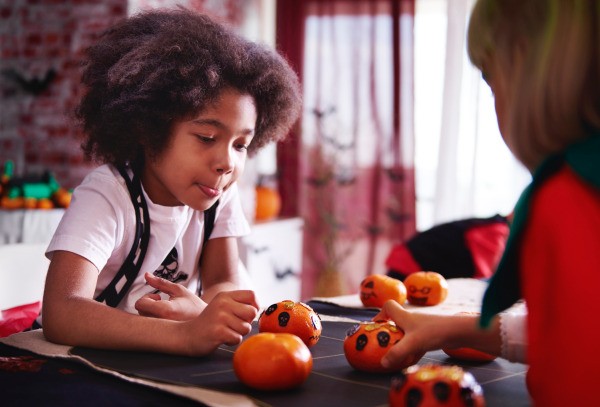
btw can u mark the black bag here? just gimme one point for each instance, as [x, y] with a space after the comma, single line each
[467, 248]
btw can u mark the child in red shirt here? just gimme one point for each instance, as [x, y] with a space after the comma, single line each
[542, 60]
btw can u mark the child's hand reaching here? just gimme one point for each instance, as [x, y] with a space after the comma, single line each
[226, 320]
[427, 332]
[419, 335]
[182, 304]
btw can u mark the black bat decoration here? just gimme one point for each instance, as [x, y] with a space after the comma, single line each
[281, 274]
[34, 86]
[258, 250]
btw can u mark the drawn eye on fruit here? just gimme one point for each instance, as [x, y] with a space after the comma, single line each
[376, 289]
[292, 317]
[367, 290]
[435, 385]
[426, 288]
[271, 309]
[283, 319]
[367, 342]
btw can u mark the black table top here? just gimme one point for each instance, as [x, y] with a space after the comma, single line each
[29, 379]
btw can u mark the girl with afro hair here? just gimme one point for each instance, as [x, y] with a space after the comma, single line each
[173, 104]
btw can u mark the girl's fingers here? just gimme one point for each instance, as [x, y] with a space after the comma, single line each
[163, 285]
[148, 306]
[153, 296]
[382, 316]
[244, 297]
[401, 355]
[241, 304]
[391, 310]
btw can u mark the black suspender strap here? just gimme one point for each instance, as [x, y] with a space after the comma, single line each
[209, 223]
[122, 281]
[116, 290]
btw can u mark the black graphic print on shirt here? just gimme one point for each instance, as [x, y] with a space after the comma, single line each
[169, 269]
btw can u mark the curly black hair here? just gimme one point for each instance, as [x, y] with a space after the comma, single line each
[160, 67]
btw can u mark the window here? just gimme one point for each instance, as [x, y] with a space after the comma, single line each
[463, 168]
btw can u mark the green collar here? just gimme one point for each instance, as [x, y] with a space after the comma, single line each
[504, 288]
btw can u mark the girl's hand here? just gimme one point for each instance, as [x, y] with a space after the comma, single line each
[418, 339]
[426, 332]
[182, 304]
[225, 320]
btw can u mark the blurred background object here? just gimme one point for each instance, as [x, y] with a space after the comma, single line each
[398, 133]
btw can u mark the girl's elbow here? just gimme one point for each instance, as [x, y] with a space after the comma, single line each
[53, 326]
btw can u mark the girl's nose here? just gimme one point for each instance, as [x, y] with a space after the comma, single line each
[225, 164]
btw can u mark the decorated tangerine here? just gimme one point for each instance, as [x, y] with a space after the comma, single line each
[426, 288]
[272, 361]
[469, 354]
[376, 289]
[367, 342]
[292, 317]
[435, 385]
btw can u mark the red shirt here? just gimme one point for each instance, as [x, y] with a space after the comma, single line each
[560, 279]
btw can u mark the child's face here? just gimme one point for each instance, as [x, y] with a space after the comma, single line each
[205, 155]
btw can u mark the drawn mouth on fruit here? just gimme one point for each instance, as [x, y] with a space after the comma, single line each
[417, 300]
[366, 296]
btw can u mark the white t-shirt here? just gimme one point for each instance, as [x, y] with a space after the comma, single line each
[100, 226]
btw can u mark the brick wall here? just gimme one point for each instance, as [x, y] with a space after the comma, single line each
[40, 45]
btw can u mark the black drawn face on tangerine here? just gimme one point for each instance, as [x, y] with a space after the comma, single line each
[284, 318]
[272, 308]
[361, 342]
[367, 289]
[435, 385]
[383, 338]
[378, 330]
[418, 295]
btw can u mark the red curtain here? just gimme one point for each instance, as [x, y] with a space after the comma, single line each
[347, 168]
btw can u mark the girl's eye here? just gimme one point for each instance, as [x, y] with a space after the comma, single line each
[205, 139]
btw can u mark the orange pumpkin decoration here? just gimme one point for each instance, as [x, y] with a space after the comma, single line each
[45, 203]
[435, 385]
[367, 342]
[292, 317]
[376, 289]
[30, 203]
[268, 203]
[272, 361]
[62, 197]
[469, 354]
[12, 203]
[426, 288]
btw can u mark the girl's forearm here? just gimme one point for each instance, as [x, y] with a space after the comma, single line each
[464, 331]
[84, 322]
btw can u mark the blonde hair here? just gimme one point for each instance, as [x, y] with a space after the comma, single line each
[550, 52]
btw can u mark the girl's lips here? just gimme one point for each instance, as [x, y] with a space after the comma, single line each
[210, 192]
